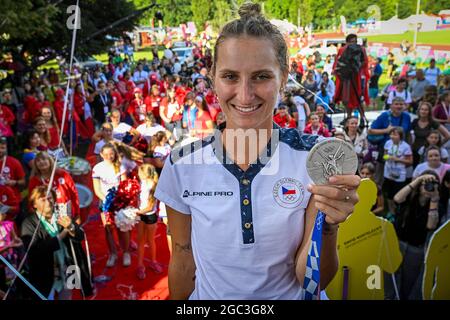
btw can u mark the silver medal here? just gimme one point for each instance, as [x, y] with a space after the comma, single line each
[331, 157]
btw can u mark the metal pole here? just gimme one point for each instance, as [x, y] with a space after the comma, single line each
[417, 24]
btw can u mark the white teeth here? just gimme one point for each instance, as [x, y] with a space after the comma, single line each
[247, 109]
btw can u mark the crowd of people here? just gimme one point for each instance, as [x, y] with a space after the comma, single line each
[130, 115]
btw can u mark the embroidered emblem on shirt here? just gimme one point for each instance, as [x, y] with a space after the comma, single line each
[288, 192]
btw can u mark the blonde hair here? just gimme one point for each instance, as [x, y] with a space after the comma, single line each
[42, 155]
[149, 172]
[127, 151]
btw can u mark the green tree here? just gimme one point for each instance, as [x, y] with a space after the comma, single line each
[200, 12]
[29, 35]
[222, 13]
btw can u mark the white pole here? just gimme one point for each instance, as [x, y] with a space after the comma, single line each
[417, 24]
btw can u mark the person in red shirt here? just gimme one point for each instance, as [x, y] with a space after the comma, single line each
[202, 124]
[67, 199]
[316, 127]
[11, 170]
[153, 102]
[350, 91]
[52, 127]
[137, 108]
[115, 94]
[283, 118]
[58, 107]
[9, 198]
[7, 119]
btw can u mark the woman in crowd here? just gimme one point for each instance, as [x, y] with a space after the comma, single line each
[433, 163]
[32, 141]
[416, 215]
[55, 246]
[422, 126]
[311, 86]
[106, 175]
[150, 127]
[40, 125]
[53, 129]
[355, 137]
[67, 201]
[315, 126]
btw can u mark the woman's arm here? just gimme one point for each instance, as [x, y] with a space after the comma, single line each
[98, 189]
[380, 205]
[401, 196]
[182, 266]
[408, 160]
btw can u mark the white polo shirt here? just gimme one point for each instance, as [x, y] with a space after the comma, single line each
[246, 226]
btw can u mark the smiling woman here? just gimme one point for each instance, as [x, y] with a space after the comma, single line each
[253, 243]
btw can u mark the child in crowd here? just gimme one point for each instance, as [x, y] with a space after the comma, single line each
[398, 155]
[433, 139]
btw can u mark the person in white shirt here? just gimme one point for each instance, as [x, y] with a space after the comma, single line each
[432, 73]
[140, 76]
[150, 127]
[433, 162]
[106, 136]
[401, 92]
[120, 70]
[398, 155]
[106, 175]
[235, 232]
[120, 129]
[303, 111]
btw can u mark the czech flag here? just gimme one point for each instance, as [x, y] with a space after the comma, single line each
[288, 191]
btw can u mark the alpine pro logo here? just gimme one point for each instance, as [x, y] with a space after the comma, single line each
[187, 194]
[288, 192]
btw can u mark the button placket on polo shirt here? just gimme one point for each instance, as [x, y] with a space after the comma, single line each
[246, 210]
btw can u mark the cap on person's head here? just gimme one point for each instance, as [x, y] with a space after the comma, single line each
[282, 106]
[432, 60]
[7, 90]
[137, 90]
[199, 98]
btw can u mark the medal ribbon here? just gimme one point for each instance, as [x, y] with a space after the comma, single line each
[311, 283]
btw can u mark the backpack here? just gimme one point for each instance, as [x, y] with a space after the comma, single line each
[350, 61]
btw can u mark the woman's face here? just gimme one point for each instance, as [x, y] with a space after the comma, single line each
[315, 120]
[433, 139]
[35, 140]
[41, 126]
[365, 173]
[171, 94]
[424, 111]
[108, 154]
[247, 82]
[320, 110]
[107, 132]
[43, 164]
[434, 158]
[44, 205]
[352, 125]
[46, 113]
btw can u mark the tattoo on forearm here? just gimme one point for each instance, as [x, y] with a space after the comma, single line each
[183, 247]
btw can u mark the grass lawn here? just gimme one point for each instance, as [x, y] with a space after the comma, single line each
[432, 37]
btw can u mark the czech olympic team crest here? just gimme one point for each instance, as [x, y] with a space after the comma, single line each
[288, 192]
